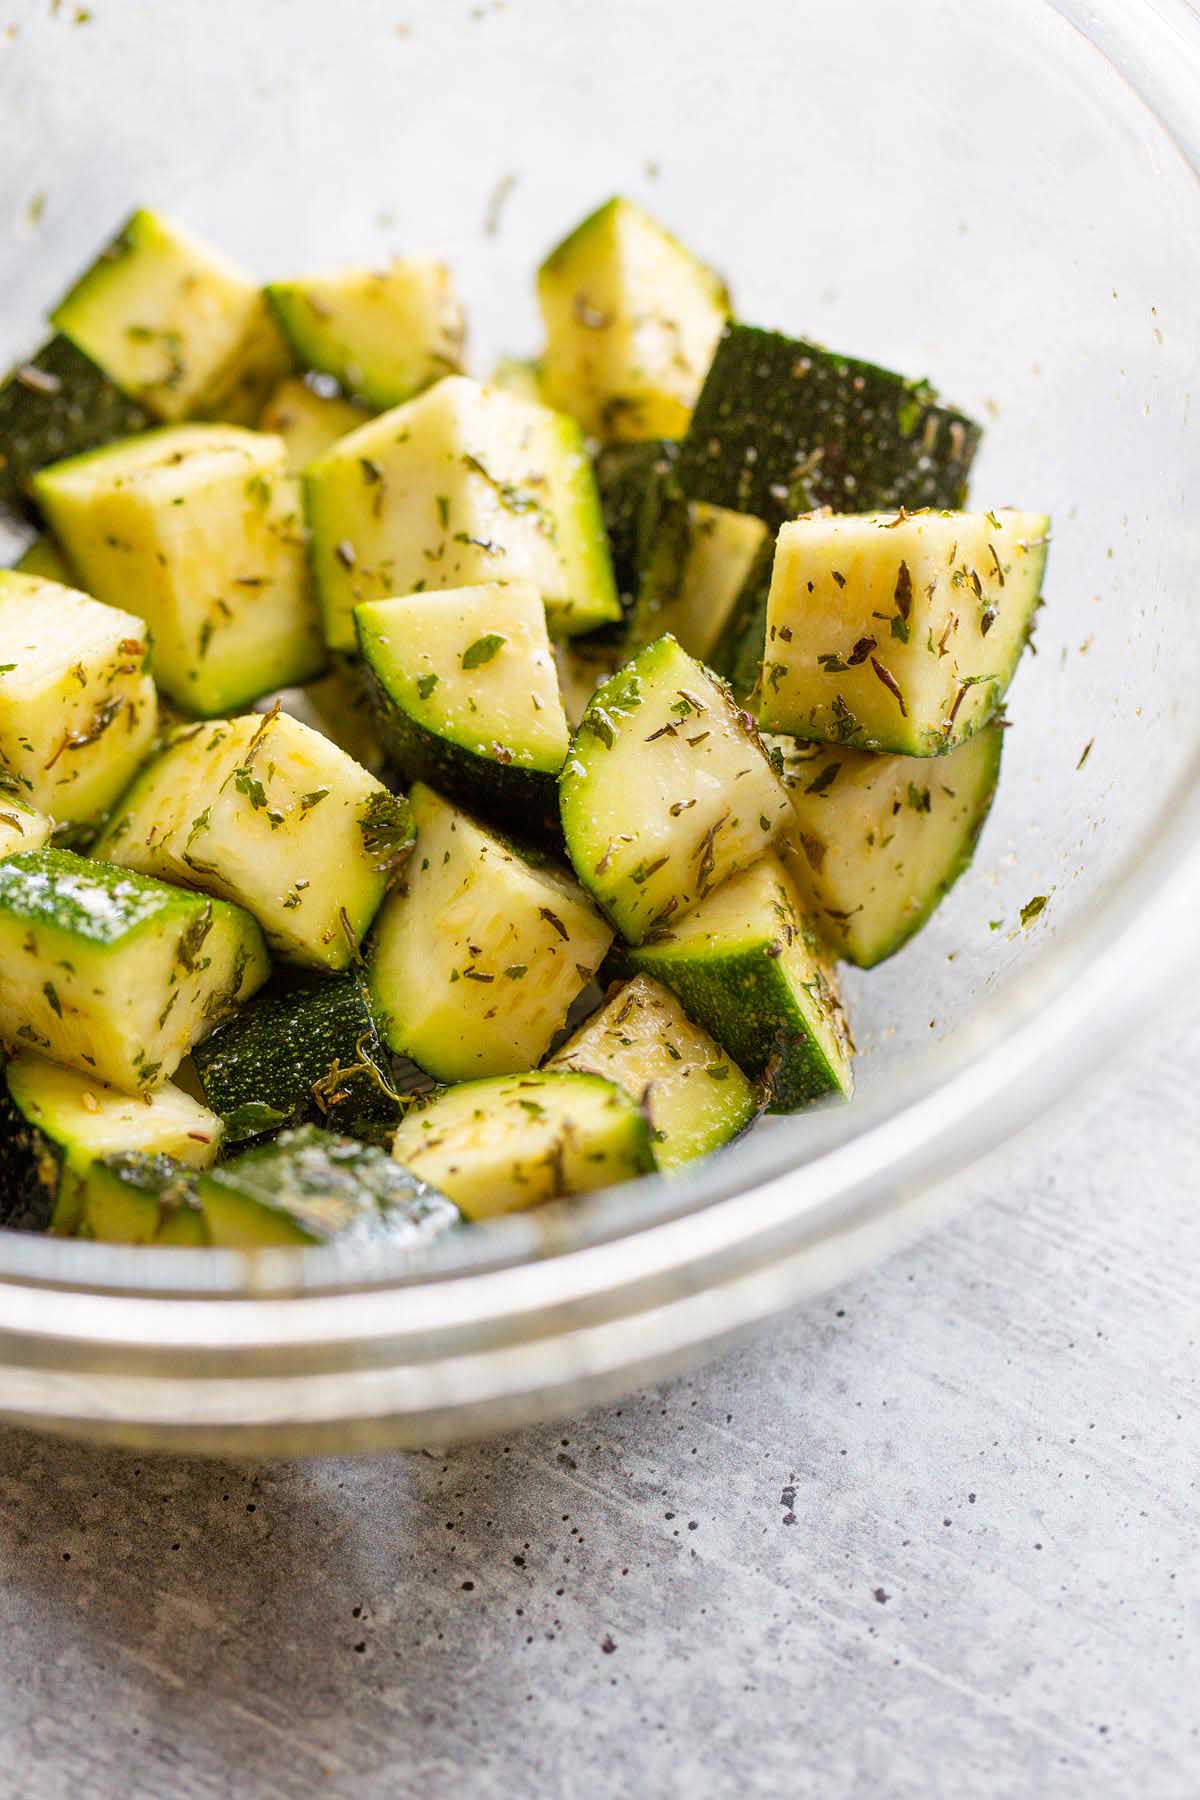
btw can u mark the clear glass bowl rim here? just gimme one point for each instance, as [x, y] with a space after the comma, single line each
[314, 1349]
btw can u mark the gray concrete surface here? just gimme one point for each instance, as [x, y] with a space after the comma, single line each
[937, 1535]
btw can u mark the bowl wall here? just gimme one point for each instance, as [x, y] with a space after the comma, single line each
[978, 194]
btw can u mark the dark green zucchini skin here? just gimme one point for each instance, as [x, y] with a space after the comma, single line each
[306, 1050]
[31, 1170]
[643, 508]
[53, 405]
[504, 794]
[737, 653]
[775, 409]
[320, 1186]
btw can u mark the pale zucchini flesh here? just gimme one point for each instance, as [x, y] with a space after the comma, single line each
[632, 319]
[309, 422]
[45, 558]
[502, 1145]
[22, 827]
[694, 1096]
[467, 696]
[465, 484]
[383, 334]
[476, 961]
[519, 375]
[667, 790]
[165, 316]
[264, 811]
[583, 666]
[58, 1122]
[898, 632]
[115, 974]
[198, 529]
[748, 966]
[691, 589]
[878, 841]
[78, 711]
[140, 1197]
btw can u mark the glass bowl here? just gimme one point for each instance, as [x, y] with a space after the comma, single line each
[1003, 198]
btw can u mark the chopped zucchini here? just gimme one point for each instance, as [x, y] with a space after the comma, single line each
[54, 405]
[45, 558]
[198, 529]
[262, 362]
[775, 410]
[265, 811]
[477, 960]
[502, 1145]
[750, 969]
[310, 1187]
[113, 973]
[78, 712]
[55, 1123]
[519, 375]
[383, 334]
[878, 841]
[307, 1053]
[898, 632]
[632, 319]
[133, 1197]
[695, 1098]
[309, 420]
[169, 319]
[667, 790]
[464, 484]
[692, 580]
[22, 827]
[467, 697]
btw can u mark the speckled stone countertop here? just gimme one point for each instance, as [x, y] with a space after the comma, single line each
[936, 1535]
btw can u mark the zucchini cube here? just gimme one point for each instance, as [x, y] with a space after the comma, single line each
[695, 1098]
[78, 712]
[264, 811]
[463, 485]
[309, 422]
[311, 1187]
[776, 410]
[382, 334]
[56, 1123]
[667, 790]
[56, 404]
[467, 697]
[748, 966]
[503, 1145]
[477, 960]
[896, 631]
[694, 576]
[197, 528]
[172, 322]
[305, 1053]
[139, 1197]
[878, 841]
[115, 974]
[632, 319]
